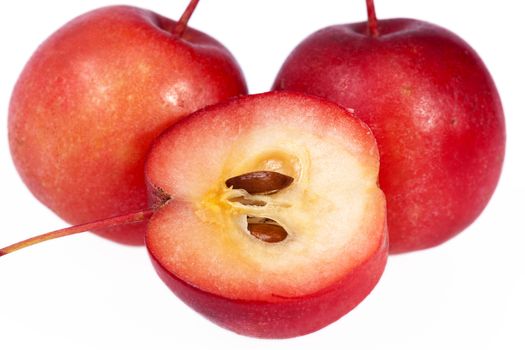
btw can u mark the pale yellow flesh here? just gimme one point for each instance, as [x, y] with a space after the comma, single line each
[333, 213]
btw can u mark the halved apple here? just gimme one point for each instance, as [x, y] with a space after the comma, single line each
[270, 220]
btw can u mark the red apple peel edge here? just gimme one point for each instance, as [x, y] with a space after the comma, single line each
[224, 311]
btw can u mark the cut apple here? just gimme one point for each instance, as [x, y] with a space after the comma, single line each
[270, 222]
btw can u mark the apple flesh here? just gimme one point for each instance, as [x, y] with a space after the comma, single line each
[433, 108]
[303, 166]
[92, 98]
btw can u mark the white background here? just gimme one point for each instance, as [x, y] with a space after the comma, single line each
[84, 292]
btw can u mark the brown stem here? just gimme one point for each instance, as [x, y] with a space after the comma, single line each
[95, 225]
[182, 24]
[372, 19]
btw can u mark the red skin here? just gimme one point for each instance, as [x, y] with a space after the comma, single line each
[285, 318]
[434, 111]
[93, 97]
[281, 313]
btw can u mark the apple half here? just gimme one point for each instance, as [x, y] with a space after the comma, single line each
[270, 221]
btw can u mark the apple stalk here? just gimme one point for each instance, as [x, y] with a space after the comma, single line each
[372, 18]
[125, 219]
[182, 24]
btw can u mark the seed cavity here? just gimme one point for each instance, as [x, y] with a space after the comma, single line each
[260, 182]
[266, 229]
[248, 201]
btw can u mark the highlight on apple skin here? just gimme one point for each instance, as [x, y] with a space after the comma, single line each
[269, 220]
[95, 94]
[433, 108]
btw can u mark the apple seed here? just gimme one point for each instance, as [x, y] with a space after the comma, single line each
[260, 182]
[266, 230]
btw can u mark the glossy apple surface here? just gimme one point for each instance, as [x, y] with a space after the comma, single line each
[433, 108]
[200, 239]
[93, 97]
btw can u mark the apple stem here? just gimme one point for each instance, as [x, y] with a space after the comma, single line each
[372, 19]
[95, 225]
[182, 24]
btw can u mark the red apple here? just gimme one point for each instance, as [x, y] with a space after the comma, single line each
[269, 221]
[433, 108]
[93, 97]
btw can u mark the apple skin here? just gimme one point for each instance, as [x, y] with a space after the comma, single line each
[93, 97]
[289, 317]
[185, 158]
[433, 108]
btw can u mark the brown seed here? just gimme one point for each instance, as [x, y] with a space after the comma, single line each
[260, 182]
[270, 233]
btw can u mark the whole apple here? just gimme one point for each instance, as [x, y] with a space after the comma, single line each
[93, 97]
[433, 108]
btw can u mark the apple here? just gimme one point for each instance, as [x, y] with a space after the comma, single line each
[269, 219]
[95, 94]
[433, 107]
[266, 215]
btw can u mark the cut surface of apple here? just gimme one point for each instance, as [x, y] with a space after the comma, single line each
[271, 221]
